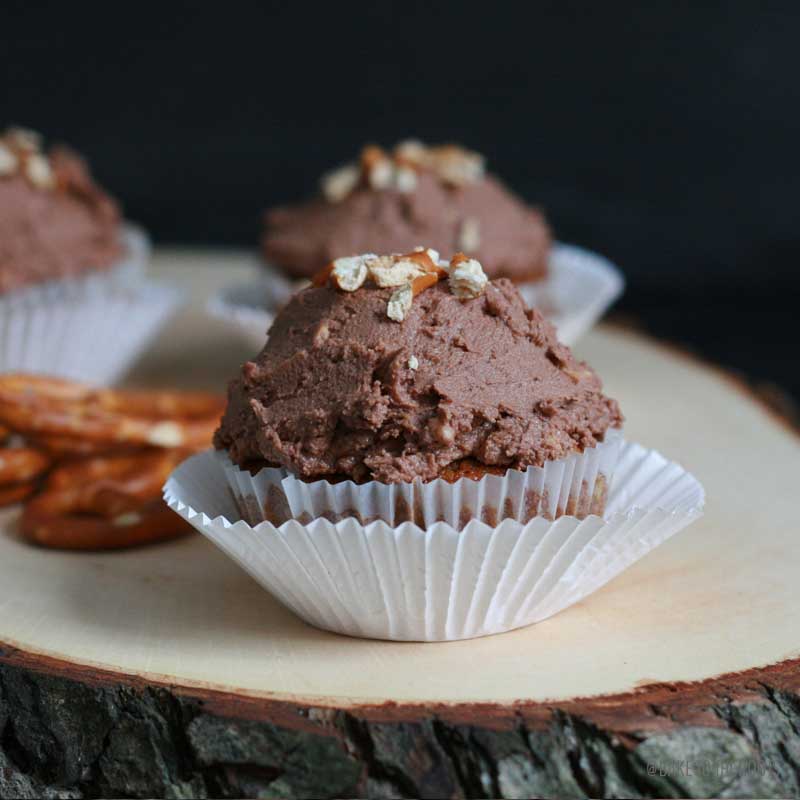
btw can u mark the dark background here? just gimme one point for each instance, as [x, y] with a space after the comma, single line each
[663, 135]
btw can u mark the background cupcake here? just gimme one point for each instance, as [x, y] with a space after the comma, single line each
[55, 221]
[390, 201]
[72, 299]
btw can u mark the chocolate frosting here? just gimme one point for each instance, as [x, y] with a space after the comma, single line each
[56, 231]
[334, 393]
[513, 239]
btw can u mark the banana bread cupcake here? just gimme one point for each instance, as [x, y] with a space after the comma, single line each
[73, 300]
[407, 388]
[55, 221]
[392, 201]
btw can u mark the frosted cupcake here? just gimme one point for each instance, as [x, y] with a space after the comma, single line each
[405, 388]
[72, 299]
[391, 201]
[414, 456]
[55, 221]
[394, 200]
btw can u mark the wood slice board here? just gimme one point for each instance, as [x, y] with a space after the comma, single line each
[719, 598]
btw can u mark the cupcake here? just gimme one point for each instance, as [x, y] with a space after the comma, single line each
[414, 456]
[439, 195]
[55, 221]
[406, 371]
[73, 302]
[392, 201]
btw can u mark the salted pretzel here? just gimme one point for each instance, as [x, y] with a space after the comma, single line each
[155, 404]
[15, 493]
[109, 428]
[149, 522]
[72, 447]
[104, 502]
[105, 453]
[44, 407]
[119, 470]
[21, 464]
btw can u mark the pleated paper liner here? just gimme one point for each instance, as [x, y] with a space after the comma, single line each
[581, 286]
[435, 584]
[577, 485]
[250, 307]
[90, 328]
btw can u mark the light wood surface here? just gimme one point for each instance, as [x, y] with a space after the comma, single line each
[720, 597]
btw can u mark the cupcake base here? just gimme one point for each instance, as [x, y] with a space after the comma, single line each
[437, 584]
[575, 485]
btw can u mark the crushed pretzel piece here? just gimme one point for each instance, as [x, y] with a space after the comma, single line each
[388, 271]
[410, 151]
[405, 179]
[400, 303]
[37, 169]
[349, 273]
[457, 166]
[377, 167]
[423, 282]
[24, 139]
[469, 235]
[467, 278]
[338, 183]
[323, 276]
[432, 254]
[397, 270]
[8, 161]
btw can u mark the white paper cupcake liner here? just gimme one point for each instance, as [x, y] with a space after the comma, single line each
[577, 485]
[435, 584]
[249, 308]
[90, 328]
[580, 288]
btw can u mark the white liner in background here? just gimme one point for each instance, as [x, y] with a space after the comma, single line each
[90, 328]
[581, 286]
[438, 584]
[249, 308]
[555, 487]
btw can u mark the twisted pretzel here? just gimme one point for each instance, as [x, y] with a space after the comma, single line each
[104, 502]
[16, 387]
[21, 464]
[45, 407]
[152, 521]
[16, 493]
[108, 452]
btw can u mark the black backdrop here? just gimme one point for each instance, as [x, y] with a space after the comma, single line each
[664, 135]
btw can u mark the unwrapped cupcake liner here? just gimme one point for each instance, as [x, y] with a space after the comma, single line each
[576, 485]
[578, 290]
[90, 328]
[437, 583]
